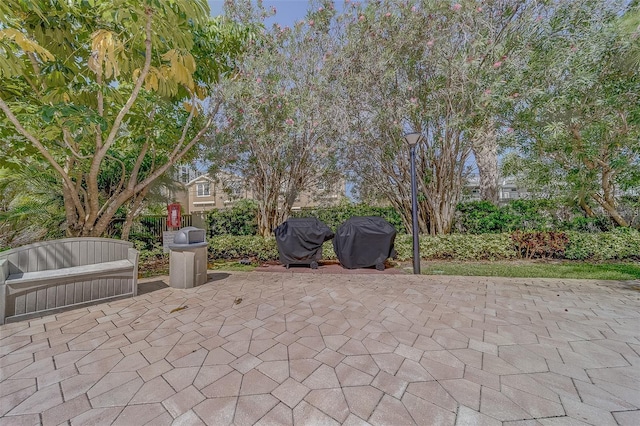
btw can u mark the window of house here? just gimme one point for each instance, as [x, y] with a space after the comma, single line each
[202, 189]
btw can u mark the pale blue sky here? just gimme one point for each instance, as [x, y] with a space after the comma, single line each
[287, 11]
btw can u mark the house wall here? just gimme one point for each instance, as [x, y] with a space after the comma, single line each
[220, 199]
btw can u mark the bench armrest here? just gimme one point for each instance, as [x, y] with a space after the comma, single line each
[4, 270]
[133, 258]
[4, 273]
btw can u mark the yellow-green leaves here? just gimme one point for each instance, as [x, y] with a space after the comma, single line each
[105, 52]
[10, 38]
[181, 67]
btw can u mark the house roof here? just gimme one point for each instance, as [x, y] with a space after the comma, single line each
[200, 179]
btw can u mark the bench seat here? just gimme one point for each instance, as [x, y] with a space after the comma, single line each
[51, 276]
[24, 280]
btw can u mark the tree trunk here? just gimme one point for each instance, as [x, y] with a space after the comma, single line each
[485, 149]
[132, 213]
[611, 210]
[586, 208]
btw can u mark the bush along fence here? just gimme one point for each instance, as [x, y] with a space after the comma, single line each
[619, 244]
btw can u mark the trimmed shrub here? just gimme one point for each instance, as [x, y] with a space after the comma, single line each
[241, 219]
[335, 216]
[540, 245]
[621, 243]
[236, 247]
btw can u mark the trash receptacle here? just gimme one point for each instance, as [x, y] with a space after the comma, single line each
[364, 241]
[300, 241]
[188, 258]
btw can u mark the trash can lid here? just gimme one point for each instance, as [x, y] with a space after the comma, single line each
[189, 235]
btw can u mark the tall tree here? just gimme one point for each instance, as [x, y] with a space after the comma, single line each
[579, 120]
[278, 130]
[427, 66]
[89, 86]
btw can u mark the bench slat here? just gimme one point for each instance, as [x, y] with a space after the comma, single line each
[21, 281]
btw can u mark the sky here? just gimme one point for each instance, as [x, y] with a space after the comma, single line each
[287, 11]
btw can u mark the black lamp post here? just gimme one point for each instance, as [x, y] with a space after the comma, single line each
[413, 139]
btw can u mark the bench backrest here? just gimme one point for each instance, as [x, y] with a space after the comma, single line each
[65, 253]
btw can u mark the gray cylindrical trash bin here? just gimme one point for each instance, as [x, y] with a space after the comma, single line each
[188, 258]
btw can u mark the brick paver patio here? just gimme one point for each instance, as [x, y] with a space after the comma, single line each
[317, 349]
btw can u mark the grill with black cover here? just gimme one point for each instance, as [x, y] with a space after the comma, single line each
[364, 241]
[300, 241]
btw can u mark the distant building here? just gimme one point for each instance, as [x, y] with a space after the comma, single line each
[205, 193]
[507, 190]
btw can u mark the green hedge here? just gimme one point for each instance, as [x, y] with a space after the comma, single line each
[334, 216]
[620, 244]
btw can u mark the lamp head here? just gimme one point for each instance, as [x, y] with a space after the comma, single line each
[413, 138]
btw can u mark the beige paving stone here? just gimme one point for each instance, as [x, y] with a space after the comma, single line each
[181, 378]
[97, 416]
[300, 369]
[469, 417]
[187, 419]
[183, 401]
[119, 396]
[279, 415]
[364, 363]
[597, 397]
[623, 376]
[389, 384]
[66, 411]
[627, 418]
[306, 414]
[291, 392]
[527, 383]
[217, 411]
[251, 408]
[13, 399]
[391, 411]
[329, 401]
[426, 413]
[227, 386]
[254, 382]
[153, 391]
[24, 420]
[138, 414]
[38, 402]
[536, 406]
[587, 413]
[111, 381]
[411, 371]
[434, 393]
[323, 377]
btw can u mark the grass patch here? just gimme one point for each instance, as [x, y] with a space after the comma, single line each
[520, 269]
[230, 265]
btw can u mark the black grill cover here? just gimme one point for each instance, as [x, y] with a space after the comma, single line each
[361, 242]
[300, 240]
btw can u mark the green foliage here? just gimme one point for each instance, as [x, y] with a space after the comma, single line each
[481, 217]
[236, 247]
[109, 94]
[334, 216]
[241, 219]
[460, 247]
[577, 122]
[536, 245]
[621, 243]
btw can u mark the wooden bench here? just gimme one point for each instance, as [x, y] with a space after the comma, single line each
[51, 276]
